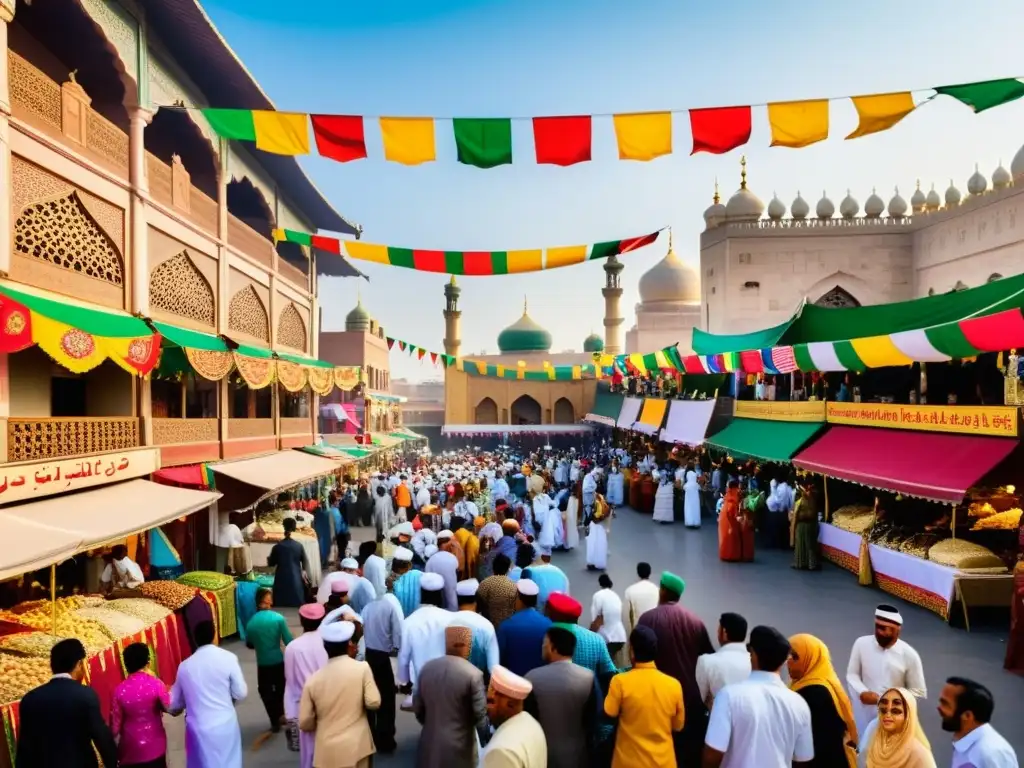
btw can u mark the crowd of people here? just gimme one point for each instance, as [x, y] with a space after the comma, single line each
[458, 614]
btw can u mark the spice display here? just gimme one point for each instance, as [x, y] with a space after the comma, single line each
[147, 611]
[169, 594]
[20, 674]
[209, 580]
[91, 633]
[958, 553]
[919, 544]
[30, 644]
[854, 518]
[1000, 521]
[117, 625]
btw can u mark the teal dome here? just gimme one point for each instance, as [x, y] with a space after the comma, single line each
[524, 335]
[593, 343]
[358, 319]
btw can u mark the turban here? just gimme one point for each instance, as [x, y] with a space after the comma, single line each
[510, 526]
[889, 613]
[478, 521]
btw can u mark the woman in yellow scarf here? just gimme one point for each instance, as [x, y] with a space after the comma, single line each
[833, 726]
[898, 740]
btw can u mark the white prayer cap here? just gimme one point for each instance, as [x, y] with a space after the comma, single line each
[432, 582]
[528, 587]
[350, 562]
[467, 587]
[403, 529]
[403, 555]
[889, 613]
[429, 551]
[445, 534]
[338, 632]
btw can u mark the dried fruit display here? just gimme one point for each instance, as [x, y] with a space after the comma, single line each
[980, 509]
[117, 625]
[91, 633]
[208, 580]
[20, 674]
[958, 553]
[147, 611]
[1000, 521]
[30, 644]
[855, 519]
[919, 544]
[170, 594]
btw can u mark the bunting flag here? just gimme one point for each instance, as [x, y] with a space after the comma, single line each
[568, 139]
[391, 343]
[472, 263]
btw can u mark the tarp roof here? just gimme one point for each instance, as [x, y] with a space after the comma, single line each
[817, 324]
[283, 469]
[933, 466]
[763, 439]
[606, 409]
[688, 421]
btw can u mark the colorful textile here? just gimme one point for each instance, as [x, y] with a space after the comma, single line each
[719, 129]
[643, 135]
[562, 140]
[408, 140]
[880, 112]
[798, 123]
[986, 94]
[591, 650]
[339, 137]
[483, 142]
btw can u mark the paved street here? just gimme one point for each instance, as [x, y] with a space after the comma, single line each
[828, 604]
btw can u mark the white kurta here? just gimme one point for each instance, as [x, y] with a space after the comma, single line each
[616, 486]
[691, 500]
[208, 684]
[597, 545]
[542, 513]
[572, 516]
[607, 605]
[877, 669]
[663, 503]
[422, 640]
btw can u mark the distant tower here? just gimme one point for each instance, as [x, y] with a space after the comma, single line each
[452, 319]
[613, 318]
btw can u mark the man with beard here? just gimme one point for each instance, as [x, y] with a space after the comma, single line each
[882, 661]
[966, 709]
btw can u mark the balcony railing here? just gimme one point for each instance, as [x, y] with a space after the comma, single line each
[242, 429]
[52, 438]
[296, 426]
[292, 274]
[247, 240]
[184, 431]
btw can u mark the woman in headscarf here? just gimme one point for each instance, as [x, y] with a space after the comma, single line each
[804, 532]
[691, 498]
[896, 739]
[730, 537]
[833, 726]
[616, 487]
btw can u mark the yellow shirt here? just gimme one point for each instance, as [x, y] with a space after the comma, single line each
[649, 706]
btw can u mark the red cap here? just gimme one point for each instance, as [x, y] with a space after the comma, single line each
[565, 605]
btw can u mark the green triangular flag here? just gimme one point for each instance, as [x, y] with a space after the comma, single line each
[986, 94]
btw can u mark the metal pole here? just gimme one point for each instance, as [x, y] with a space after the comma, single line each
[53, 595]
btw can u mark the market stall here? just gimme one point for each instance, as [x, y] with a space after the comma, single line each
[688, 422]
[922, 545]
[607, 406]
[629, 413]
[771, 431]
[652, 415]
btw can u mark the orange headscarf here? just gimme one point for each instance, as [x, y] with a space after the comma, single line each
[907, 749]
[813, 666]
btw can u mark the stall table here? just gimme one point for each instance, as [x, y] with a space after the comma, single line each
[840, 547]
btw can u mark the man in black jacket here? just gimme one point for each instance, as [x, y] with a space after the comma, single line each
[61, 720]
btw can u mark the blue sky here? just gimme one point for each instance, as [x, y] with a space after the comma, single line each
[537, 57]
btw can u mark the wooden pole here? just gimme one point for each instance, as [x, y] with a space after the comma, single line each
[827, 510]
[953, 523]
[53, 595]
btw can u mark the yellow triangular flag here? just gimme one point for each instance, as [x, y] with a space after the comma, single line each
[880, 112]
[798, 123]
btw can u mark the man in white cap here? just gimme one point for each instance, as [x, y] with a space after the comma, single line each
[422, 634]
[519, 741]
[882, 661]
[361, 593]
[404, 581]
[335, 701]
[445, 564]
[484, 652]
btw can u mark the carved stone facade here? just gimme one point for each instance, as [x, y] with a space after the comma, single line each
[35, 439]
[182, 431]
[120, 29]
[291, 330]
[177, 286]
[247, 314]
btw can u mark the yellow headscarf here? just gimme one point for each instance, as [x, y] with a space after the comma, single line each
[813, 666]
[907, 749]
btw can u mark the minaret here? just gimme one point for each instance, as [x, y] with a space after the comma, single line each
[452, 319]
[613, 318]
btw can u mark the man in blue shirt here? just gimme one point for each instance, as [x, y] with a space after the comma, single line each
[521, 636]
[341, 532]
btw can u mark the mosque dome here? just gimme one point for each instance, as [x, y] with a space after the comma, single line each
[933, 202]
[952, 196]
[873, 206]
[670, 281]
[1017, 164]
[849, 207]
[524, 335]
[825, 209]
[918, 200]
[744, 205]
[593, 343]
[977, 184]
[1001, 178]
[799, 209]
[776, 208]
[715, 213]
[897, 206]
[358, 319]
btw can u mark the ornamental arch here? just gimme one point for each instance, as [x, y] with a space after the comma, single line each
[564, 411]
[526, 410]
[178, 287]
[246, 314]
[486, 412]
[291, 328]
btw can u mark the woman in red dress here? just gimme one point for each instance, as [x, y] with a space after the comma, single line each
[730, 534]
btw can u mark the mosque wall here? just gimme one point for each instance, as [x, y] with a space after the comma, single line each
[465, 394]
[655, 330]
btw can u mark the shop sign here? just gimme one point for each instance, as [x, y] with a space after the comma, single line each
[38, 479]
[780, 410]
[997, 420]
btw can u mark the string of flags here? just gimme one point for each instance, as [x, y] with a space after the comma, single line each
[564, 140]
[473, 263]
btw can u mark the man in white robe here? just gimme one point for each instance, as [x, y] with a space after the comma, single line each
[422, 634]
[691, 499]
[664, 509]
[549, 518]
[208, 685]
[589, 495]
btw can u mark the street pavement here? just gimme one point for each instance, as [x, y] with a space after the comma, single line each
[828, 604]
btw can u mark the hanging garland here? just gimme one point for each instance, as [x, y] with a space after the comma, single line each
[568, 139]
[256, 372]
[212, 366]
[321, 380]
[291, 376]
[347, 378]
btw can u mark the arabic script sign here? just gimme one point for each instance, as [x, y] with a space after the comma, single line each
[780, 410]
[37, 479]
[998, 420]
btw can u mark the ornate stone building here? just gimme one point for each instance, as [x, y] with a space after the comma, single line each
[669, 306]
[758, 264]
[119, 199]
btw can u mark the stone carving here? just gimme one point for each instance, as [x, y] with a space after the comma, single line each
[61, 232]
[169, 88]
[837, 297]
[177, 286]
[291, 330]
[120, 29]
[247, 314]
[177, 431]
[34, 92]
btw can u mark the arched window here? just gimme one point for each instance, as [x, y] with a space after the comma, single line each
[564, 412]
[526, 410]
[486, 412]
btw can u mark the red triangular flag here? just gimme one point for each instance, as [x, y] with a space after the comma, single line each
[401, 345]
[420, 353]
[433, 357]
[719, 129]
[339, 137]
[391, 342]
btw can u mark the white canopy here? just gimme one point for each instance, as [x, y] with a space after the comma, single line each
[283, 469]
[688, 421]
[630, 412]
[498, 429]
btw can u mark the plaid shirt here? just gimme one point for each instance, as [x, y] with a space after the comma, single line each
[591, 650]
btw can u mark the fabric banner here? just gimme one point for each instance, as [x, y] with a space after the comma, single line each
[291, 376]
[321, 380]
[256, 372]
[995, 420]
[347, 378]
[212, 366]
[630, 413]
[779, 410]
[688, 421]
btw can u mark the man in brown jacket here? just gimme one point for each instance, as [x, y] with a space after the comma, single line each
[334, 703]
